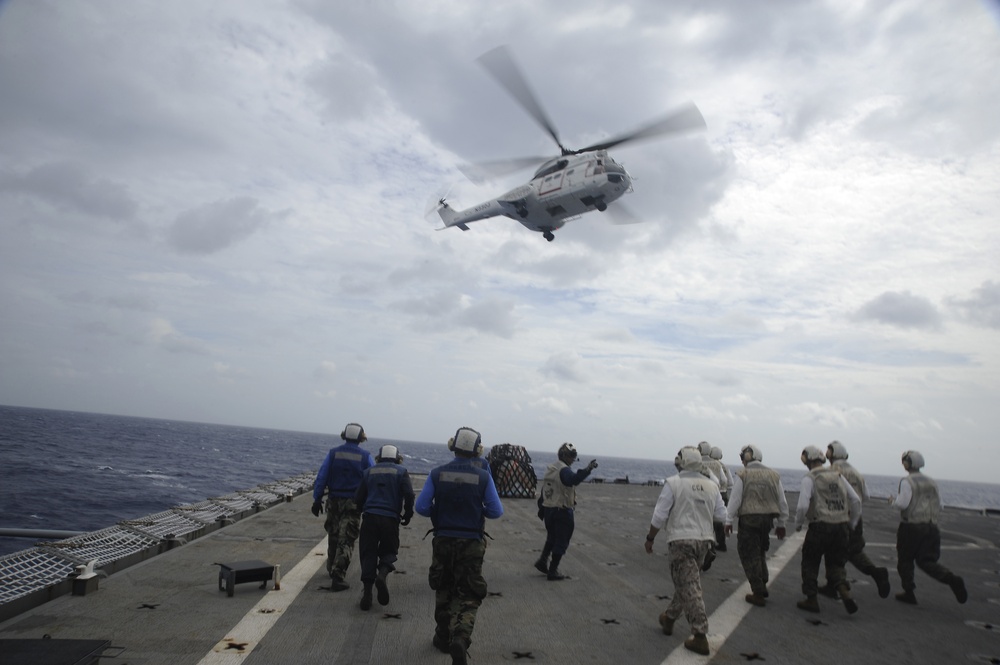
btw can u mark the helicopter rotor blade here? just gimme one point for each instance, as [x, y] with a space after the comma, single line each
[683, 119]
[499, 63]
[481, 172]
[620, 214]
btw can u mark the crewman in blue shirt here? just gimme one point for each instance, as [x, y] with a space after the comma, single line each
[458, 497]
[341, 474]
[385, 494]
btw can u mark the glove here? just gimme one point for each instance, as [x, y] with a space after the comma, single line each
[317, 508]
[592, 465]
[406, 519]
[729, 530]
[780, 532]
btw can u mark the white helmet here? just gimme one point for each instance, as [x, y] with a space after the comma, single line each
[753, 452]
[716, 452]
[467, 440]
[705, 448]
[915, 459]
[567, 453]
[812, 454]
[389, 453]
[353, 432]
[835, 450]
[688, 459]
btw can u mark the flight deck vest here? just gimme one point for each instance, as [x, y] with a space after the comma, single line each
[851, 475]
[829, 499]
[347, 465]
[760, 490]
[715, 467]
[691, 515]
[925, 505]
[554, 493]
[459, 491]
[385, 496]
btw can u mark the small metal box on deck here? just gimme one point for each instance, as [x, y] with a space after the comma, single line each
[239, 572]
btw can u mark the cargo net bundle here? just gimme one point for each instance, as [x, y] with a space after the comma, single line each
[512, 471]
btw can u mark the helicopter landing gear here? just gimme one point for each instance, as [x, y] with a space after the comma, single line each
[548, 236]
[601, 206]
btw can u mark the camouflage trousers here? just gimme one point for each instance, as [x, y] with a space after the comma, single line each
[824, 541]
[686, 559]
[456, 575]
[752, 543]
[856, 552]
[343, 523]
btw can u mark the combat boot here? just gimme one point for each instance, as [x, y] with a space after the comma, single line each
[810, 604]
[666, 623]
[366, 598]
[754, 599]
[383, 588]
[907, 597]
[458, 652]
[697, 643]
[554, 574]
[881, 576]
[542, 565]
[828, 590]
[957, 585]
[845, 595]
[338, 584]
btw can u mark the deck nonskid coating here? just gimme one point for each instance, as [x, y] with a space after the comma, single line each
[168, 610]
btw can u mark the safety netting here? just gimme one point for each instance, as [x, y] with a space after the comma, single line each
[512, 472]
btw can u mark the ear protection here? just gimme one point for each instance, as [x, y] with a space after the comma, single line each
[389, 452]
[353, 432]
[467, 440]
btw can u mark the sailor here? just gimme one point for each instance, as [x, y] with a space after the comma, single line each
[758, 499]
[712, 468]
[728, 488]
[833, 508]
[558, 502]
[341, 474]
[688, 505]
[385, 497]
[458, 497]
[836, 453]
[918, 539]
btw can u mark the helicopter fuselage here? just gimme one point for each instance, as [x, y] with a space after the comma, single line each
[562, 189]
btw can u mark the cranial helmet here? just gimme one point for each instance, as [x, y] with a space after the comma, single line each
[812, 454]
[354, 432]
[389, 453]
[567, 453]
[835, 450]
[467, 440]
[716, 452]
[705, 448]
[915, 459]
[751, 453]
[688, 459]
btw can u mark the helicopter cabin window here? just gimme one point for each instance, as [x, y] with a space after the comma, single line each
[570, 172]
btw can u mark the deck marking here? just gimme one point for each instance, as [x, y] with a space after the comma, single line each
[261, 618]
[728, 616]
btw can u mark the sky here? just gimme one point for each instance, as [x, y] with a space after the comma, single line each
[216, 212]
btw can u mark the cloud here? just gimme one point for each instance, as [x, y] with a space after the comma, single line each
[68, 187]
[829, 415]
[902, 310]
[983, 308]
[566, 366]
[327, 369]
[216, 226]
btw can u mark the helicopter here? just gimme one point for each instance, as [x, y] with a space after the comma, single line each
[566, 186]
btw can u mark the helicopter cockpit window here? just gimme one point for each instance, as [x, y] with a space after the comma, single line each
[554, 168]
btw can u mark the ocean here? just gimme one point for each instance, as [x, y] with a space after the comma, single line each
[87, 471]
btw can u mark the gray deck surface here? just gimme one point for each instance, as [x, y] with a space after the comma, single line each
[169, 611]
